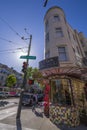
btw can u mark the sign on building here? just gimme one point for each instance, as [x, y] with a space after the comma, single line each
[49, 62]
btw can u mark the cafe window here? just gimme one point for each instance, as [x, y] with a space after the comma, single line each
[60, 92]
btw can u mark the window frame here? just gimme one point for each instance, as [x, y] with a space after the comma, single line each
[62, 54]
[59, 32]
[56, 18]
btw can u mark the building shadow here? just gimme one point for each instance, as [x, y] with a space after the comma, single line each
[18, 124]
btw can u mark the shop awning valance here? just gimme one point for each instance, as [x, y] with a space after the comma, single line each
[77, 72]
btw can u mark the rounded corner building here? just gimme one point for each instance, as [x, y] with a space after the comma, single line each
[65, 65]
[61, 40]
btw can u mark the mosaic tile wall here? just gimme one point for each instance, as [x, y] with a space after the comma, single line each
[64, 115]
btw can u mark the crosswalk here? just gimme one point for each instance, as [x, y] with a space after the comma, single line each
[7, 112]
[11, 127]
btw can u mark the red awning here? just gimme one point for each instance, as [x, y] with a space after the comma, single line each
[78, 72]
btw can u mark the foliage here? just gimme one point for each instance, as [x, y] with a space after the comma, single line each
[11, 80]
[33, 73]
[29, 72]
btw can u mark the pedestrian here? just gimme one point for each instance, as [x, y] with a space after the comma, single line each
[34, 104]
[46, 97]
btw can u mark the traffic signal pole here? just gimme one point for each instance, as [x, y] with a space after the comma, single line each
[24, 83]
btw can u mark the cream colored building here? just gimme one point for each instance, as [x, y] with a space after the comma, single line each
[62, 40]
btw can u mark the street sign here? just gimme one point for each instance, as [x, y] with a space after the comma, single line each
[28, 57]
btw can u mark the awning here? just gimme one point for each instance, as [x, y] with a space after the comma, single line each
[77, 72]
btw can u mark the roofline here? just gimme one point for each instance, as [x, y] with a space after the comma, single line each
[54, 8]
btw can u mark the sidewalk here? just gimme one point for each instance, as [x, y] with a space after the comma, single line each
[32, 121]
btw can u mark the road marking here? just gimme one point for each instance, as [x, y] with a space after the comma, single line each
[7, 112]
[11, 127]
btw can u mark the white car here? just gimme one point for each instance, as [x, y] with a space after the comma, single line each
[7, 94]
[2, 94]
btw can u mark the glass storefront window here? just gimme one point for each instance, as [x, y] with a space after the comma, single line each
[60, 92]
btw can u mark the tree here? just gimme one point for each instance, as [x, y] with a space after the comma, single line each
[33, 73]
[11, 80]
[29, 72]
[36, 74]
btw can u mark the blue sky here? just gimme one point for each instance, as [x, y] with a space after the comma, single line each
[16, 15]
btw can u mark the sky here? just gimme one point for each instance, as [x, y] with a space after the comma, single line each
[22, 18]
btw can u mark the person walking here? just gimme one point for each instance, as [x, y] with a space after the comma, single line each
[46, 97]
[34, 104]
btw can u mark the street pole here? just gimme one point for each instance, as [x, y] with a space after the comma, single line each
[24, 83]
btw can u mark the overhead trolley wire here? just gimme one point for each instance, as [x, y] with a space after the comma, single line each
[7, 40]
[12, 29]
[12, 49]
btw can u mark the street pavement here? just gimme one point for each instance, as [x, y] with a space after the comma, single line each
[29, 120]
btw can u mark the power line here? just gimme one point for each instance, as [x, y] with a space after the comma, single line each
[10, 41]
[10, 52]
[13, 49]
[12, 29]
[7, 40]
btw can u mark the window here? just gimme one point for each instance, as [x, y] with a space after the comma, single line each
[68, 34]
[47, 55]
[62, 54]
[46, 26]
[56, 18]
[60, 92]
[59, 32]
[86, 53]
[78, 50]
[47, 37]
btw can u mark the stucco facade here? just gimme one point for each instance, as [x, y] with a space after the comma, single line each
[62, 40]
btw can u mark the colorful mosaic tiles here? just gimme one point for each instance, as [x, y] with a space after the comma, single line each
[64, 115]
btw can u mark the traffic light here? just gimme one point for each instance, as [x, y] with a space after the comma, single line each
[24, 67]
[31, 82]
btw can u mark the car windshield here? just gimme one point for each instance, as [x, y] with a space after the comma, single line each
[26, 96]
[1, 92]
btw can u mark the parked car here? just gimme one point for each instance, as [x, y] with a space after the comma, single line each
[2, 94]
[27, 99]
[40, 97]
[17, 95]
[12, 93]
[7, 94]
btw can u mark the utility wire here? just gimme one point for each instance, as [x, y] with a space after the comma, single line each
[12, 29]
[10, 52]
[7, 40]
[12, 49]
[10, 41]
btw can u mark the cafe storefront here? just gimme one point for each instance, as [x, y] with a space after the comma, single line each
[66, 94]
